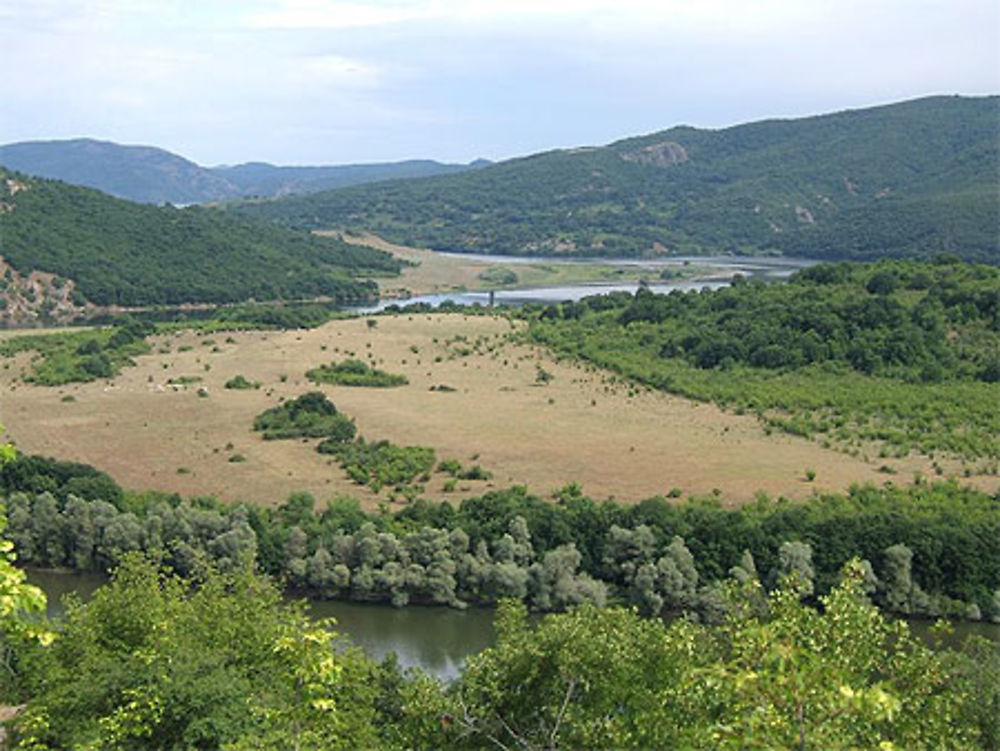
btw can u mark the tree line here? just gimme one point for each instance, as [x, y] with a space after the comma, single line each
[930, 548]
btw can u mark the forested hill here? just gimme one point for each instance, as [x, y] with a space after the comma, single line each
[118, 252]
[150, 175]
[907, 179]
[138, 173]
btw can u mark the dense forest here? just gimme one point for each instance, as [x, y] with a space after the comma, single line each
[909, 179]
[121, 253]
[882, 358]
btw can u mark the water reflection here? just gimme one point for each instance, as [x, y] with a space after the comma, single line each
[435, 639]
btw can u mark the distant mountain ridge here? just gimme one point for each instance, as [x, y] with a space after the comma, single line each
[147, 174]
[909, 179]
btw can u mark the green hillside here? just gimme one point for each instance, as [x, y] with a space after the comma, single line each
[912, 179]
[123, 253]
[139, 173]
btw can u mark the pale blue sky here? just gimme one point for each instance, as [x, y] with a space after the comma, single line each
[327, 82]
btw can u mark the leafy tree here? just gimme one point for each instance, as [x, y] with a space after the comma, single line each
[154, 662]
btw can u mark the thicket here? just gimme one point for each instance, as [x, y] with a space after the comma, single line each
[931, 547]
[79, 356]
[900, 354]
[354, 372]
[240, 383]
[311, 415]
[380, 463]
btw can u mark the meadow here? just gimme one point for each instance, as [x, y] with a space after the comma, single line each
[473, 395]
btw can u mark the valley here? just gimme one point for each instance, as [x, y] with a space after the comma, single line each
[661, 443]
[584, 426]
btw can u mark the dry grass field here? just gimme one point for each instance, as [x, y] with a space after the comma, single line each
[581, 427]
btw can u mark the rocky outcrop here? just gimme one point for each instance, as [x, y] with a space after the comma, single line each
[665, 154]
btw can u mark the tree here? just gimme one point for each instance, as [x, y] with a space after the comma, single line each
[154, 661]
[20, 603]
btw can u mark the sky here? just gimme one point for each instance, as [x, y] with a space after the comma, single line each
[334, 82]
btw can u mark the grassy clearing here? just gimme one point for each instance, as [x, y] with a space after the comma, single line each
[487, 407]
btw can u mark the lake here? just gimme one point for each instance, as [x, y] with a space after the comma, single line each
[435, 639]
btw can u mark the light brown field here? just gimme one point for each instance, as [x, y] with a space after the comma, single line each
[580, 428]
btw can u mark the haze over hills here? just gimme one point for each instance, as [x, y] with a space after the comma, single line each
[913, 178]
[151, 175]
[110, 251]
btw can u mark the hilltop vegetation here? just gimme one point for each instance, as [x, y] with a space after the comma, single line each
[120, 253]
[909, 179]
[899, 354]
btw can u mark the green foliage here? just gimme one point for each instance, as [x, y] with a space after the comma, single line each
[41, 474]
[908, 366]
[355, 373]
[21, 604]
[279, 316]
[80, 356]
[121, 253]
[380, 463]
[239, 383]
[311, 415]
[777, 674]
[931, 548]
[914, 178]
[153, 661]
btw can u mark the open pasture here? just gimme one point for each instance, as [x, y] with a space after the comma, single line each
[169, 423]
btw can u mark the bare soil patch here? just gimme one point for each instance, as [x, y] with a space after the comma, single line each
[583, 426]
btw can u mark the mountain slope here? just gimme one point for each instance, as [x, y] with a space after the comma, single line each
[913, 178]
[138, 173]
[124, 253]
[150, 175]
[262, 179]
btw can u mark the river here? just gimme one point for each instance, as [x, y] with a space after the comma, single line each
[719, 271]
[435, 639]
